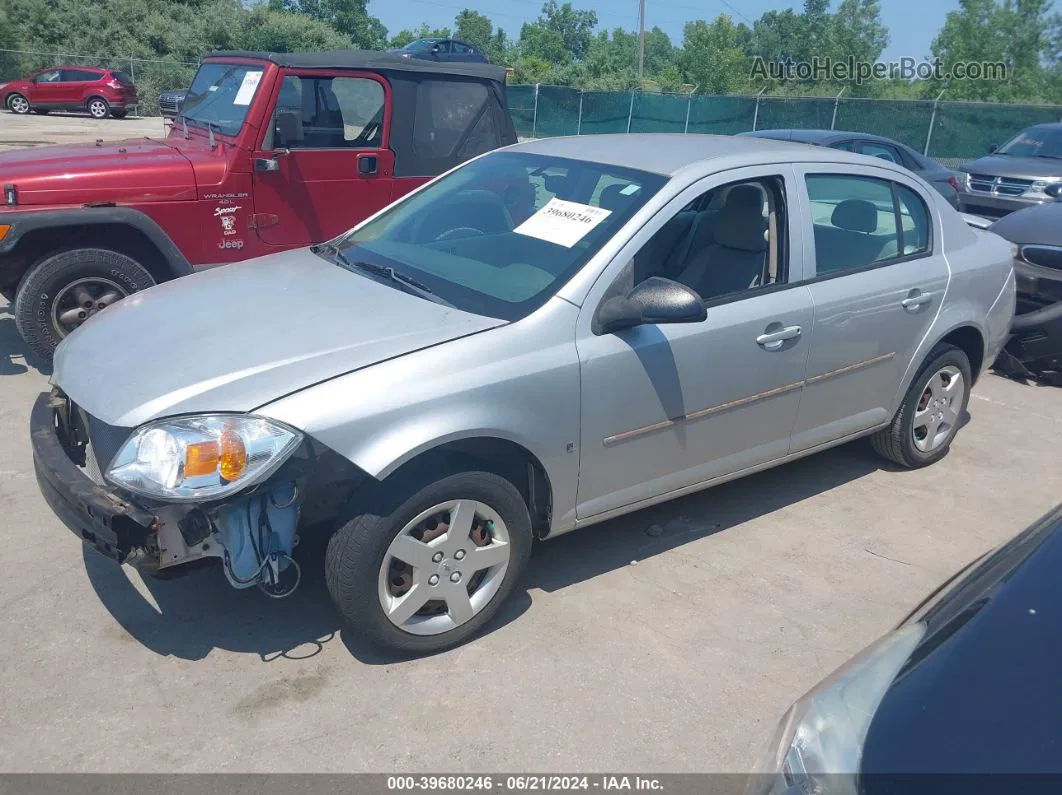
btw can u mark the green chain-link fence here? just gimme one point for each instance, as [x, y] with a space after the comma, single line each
[950, 132]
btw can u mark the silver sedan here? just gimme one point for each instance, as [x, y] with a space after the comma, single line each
[551, 335]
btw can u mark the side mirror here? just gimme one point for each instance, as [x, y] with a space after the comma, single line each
[266, 164]
[656, 300]
[1054, 190]
[992, 148]
[435, 48]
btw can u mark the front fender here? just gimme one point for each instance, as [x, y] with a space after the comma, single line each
[25, 222]
[518, 383]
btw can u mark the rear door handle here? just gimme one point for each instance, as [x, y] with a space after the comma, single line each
[915, 301]
[773, 340]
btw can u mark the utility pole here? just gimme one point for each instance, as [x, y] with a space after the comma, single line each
[641, 40]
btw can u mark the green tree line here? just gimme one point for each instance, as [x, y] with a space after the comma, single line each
[565, 46]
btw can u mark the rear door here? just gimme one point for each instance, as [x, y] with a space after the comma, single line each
[79, 84]
[323, 163]
[878, 282]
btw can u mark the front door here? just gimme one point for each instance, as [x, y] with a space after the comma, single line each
[670, 406]
[879, 280]
[47, 90]
[324, 164]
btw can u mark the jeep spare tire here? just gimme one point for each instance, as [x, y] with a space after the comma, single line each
[62, 291]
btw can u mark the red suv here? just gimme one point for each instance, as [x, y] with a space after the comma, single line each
[102, 92]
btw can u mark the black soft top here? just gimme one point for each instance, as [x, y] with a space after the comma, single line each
[442, 113]
[368, 59]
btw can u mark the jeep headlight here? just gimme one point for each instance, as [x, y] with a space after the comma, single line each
[818, 745]
[193, 458]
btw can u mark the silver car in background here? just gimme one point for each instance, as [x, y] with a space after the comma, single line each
[1024, 172]
[549, 336]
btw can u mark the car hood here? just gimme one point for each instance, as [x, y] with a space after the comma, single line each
[1040, 225]
[239, 336]
[138, 169]
[1021, 167]
[980, 694]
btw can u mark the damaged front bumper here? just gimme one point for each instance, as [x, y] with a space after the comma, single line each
[1034, 348]
[103, 520]
[252, 534]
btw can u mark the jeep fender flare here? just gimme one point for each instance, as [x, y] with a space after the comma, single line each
[25, 223]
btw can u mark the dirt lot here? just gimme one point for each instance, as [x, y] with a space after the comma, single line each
[669, 640]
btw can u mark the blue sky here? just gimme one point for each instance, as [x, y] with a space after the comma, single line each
[912, 23]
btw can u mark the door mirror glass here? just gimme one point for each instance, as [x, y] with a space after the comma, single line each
[654, 301]
[1054, 190]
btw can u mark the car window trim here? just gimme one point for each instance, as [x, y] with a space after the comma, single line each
[930, 237]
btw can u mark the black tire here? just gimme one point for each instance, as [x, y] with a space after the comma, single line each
[896, 441]
[44, 281]
[24, 106]
[118, 114]
[98, 107]
[357, 550]
[41, 111]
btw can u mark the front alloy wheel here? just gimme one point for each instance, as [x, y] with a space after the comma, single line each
[444, 567]
[17, 103]
[428, 564]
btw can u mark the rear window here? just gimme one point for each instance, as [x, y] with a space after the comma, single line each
[123, 78]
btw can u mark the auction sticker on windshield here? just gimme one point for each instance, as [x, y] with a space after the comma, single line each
[247, 87]
[562, 222]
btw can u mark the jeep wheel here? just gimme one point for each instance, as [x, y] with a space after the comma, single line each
[427, 567]
[16, 103]
[64, 290]
[98, 108]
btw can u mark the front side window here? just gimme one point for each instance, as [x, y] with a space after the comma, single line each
[502, 234]
[726, 243]
[858, 222]
[220, 96]
[1034, 142]
[329, 113]
[51, 76]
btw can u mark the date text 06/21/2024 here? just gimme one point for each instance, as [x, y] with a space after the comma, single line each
[521, 783]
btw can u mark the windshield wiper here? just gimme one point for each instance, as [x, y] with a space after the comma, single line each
[410, 284]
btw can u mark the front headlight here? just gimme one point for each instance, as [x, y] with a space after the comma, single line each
[818, 746]
[193, 458]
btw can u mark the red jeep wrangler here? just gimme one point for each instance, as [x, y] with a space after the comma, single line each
[271, 151]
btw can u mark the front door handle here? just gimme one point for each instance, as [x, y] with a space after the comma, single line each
[773, 340]
[916, 299]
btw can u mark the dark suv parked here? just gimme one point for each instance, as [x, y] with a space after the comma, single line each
[101, 92]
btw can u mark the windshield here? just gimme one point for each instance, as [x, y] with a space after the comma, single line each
[421, 44]
[220, 95]
[1042, 142]
[502, 234]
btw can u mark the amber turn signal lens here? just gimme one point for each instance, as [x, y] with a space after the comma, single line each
[4, 229]
[201, 458]
[233, 455]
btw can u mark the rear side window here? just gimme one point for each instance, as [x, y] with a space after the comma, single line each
[123, 78]
[446, 111]
[863, 221]
[464, 49]
[882, 151]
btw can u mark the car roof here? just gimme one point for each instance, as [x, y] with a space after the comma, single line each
[669, 153]
[366, 59]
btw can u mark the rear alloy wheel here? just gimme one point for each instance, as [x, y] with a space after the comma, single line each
[63, 291]
[98, 108]
[931, 413]
[16, 103]
[427, 574]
